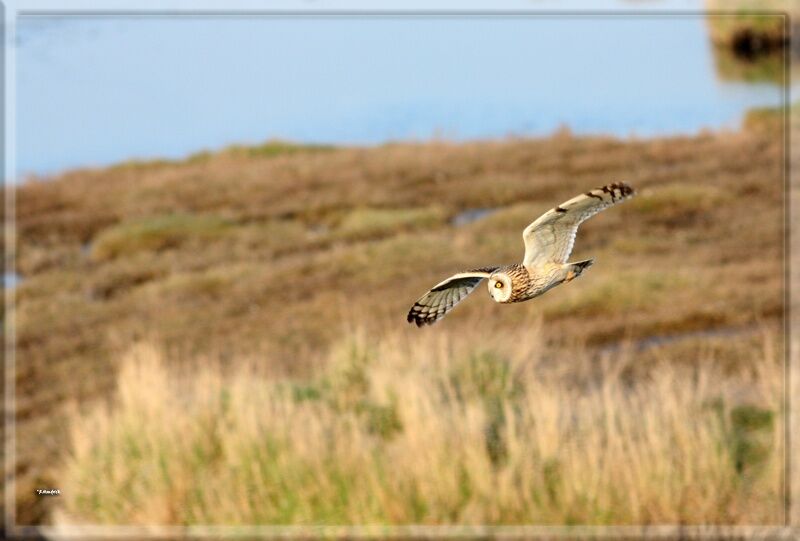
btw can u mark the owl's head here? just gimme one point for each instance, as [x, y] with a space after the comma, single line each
[500, 287]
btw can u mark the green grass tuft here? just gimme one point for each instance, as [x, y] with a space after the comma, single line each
[155, 233]
[362, 223]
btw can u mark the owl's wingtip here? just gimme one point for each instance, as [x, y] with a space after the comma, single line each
[419, 321]
[412, 318]
[616, 190]
[625, 189]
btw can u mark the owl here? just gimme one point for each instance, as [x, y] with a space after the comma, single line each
[548, 243]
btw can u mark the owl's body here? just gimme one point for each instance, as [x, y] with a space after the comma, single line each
[527, 283]
[548, 243]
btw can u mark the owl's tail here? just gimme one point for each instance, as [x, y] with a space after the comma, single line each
[575, 269]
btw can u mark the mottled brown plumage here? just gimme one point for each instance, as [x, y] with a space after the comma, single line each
[548, 243]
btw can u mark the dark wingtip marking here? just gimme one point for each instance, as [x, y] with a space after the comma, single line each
[559, 209]
[610, 190]
[617, 191]
[624, 189]
[419, 317]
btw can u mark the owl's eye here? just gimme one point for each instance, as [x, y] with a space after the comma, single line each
[498, 285]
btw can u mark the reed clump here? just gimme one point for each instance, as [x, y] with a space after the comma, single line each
[432, 429]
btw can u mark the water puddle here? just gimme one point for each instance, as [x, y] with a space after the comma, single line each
[11, 280]
[471, 215]
[319, 230]
[656, 341]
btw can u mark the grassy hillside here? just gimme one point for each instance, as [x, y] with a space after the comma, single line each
[433, 430]
[267, 255]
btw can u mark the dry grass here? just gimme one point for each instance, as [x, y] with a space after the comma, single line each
[362, 223]
[154, 234]
[433, 429]
[259, 254]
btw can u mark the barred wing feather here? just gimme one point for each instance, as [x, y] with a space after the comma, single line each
[550, 238]
[442, 297]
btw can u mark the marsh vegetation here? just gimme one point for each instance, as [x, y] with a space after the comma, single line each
[435, 429]
[259, 298]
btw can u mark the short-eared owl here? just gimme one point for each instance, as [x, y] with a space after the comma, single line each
[548, 243]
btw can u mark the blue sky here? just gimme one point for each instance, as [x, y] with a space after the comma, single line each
[93, 91]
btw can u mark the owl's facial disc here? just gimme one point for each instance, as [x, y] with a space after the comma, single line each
[500, 287]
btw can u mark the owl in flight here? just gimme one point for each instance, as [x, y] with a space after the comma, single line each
[548, 243]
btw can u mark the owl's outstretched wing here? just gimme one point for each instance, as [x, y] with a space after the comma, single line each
[442, 297]
[550, 238]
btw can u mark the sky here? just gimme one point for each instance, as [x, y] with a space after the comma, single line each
[91, 91]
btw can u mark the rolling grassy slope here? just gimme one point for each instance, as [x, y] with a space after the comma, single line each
[434, 429]
[265, 253]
